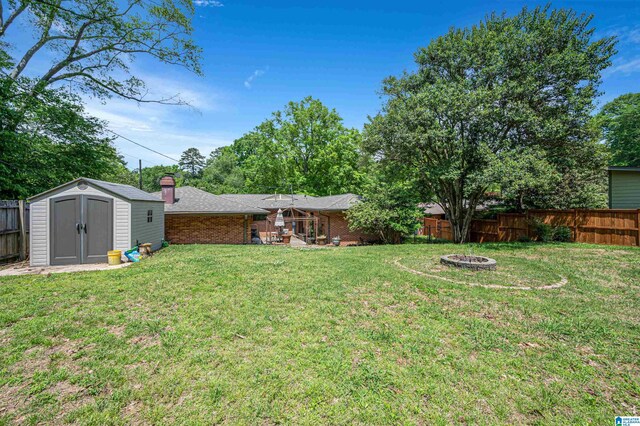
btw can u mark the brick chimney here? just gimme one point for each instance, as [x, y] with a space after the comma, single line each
[168, 185]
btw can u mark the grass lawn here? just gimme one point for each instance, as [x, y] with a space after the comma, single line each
[247, 334]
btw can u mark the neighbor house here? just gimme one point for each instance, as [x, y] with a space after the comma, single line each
[624, 187]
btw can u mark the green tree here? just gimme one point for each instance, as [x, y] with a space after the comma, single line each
[389, 209]
[53, 143]
[151, 177]
[306, 146]
[620, 124]
[192, 162]
[481, 94]
[222, 174]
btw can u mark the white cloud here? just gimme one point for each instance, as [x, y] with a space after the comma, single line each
[257, 73]
[627, 67]
[210, 3]
[164, 128]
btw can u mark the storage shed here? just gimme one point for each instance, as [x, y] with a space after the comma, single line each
[624, 187]
[80, 221]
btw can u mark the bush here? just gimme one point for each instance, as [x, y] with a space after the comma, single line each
[562, 234]
[546, 233]
[543, 231]
[524, 239]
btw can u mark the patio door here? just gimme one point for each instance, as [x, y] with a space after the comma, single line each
[81, 229]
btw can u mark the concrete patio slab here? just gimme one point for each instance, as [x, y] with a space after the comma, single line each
[24, 269]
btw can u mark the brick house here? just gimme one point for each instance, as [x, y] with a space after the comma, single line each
[304, 215]
[194, 216]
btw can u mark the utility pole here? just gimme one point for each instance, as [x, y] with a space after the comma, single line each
[140, 173]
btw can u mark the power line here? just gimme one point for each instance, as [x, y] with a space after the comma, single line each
[140, 145]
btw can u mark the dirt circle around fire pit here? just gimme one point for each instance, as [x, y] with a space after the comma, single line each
[474, 263]
[513, 273]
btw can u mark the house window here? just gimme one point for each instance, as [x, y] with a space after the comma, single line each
[257, 217]
[149, 216]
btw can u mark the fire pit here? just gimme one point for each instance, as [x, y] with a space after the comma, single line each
[476, 263]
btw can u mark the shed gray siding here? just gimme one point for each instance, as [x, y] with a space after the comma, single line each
[143, 231]
[624, 190]
[39, 233]
[39, 223]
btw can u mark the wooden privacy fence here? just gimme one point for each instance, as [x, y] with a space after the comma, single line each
[14, 223]
[597, 226]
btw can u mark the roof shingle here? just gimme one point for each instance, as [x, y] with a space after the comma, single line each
[194, 200]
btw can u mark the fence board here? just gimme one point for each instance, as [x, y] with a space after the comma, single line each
[12, 237]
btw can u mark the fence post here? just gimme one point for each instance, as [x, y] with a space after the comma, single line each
[23, 231]
[575, 225]
[638, 228]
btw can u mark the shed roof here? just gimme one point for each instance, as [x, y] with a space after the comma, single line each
[127, 192]
[194, 200]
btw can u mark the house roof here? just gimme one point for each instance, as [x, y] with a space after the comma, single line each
[127, 192]
[194, 200]
[299, 201]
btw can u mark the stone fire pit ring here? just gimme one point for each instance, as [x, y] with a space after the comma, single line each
[474, 263]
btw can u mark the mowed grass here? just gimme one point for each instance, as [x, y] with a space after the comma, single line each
[266, 335]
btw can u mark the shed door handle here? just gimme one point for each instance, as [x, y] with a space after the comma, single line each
[78, 227]
[85, 228]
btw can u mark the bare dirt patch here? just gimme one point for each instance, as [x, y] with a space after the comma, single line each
[145, 341]
[117, 330]
[13, 398]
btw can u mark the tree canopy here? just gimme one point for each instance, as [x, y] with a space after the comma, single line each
[305, 147]
[48, 140]
[619, 121]
[93, 42]
[192, 162]
[490, 97]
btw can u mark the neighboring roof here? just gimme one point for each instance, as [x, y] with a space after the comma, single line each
[194, 200]
[300, 201]
[624, 169]
[435, 208]
[127, 192]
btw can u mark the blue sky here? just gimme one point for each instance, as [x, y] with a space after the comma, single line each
[259, 55]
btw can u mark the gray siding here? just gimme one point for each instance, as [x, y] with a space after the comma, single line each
[143, 231]
[39, 233]
[39, 217]
[625, 190]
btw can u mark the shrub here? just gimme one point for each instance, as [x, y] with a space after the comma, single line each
[543, 231]
[546, 233]
[562, 234]
[524, 239]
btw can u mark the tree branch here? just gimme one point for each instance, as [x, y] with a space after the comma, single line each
[5, 24]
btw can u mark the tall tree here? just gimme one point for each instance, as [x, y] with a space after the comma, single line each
[222, 174]
[487, 93]
[54, 142]
[306, 146]
[192, 162]
[620, 124]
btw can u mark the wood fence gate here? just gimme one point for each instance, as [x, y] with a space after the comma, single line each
[14, 230]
